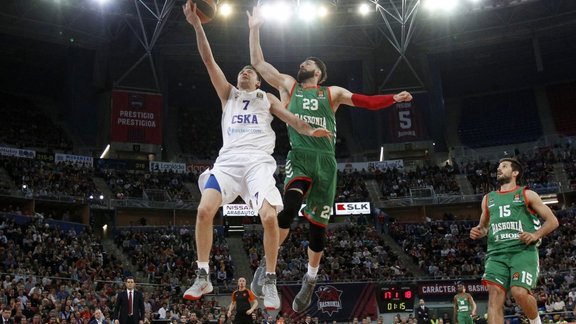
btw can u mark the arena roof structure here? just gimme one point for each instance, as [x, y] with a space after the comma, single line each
[136, 33]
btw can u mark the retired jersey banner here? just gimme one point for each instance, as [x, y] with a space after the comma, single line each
[136, 117]
[407, 120]
[333, 302]
[446, 289]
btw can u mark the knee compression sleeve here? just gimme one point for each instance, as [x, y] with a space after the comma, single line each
[292, 204]
[317, 238]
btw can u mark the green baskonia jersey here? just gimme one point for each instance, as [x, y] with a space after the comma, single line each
[462, 304]
[312, 105]
[509, 216]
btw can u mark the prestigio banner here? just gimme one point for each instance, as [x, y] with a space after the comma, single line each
[136, 117]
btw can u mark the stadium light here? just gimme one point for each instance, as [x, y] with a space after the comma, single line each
[225, 9]
[441, 5]
[364, 9]
[322, 11]
[307, 12]
[280, 11]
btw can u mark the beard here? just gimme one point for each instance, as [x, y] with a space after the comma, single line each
[304, 75]
[502, 180]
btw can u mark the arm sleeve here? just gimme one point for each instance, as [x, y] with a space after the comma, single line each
[372, 102]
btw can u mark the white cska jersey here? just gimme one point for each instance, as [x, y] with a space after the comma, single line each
[246, 123]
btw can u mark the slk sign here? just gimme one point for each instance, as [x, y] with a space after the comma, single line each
[352, 208]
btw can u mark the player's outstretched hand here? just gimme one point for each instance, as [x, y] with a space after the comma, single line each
[256, 19]
[320, 132]
[403, 96]
[478, 232]
[189, 10]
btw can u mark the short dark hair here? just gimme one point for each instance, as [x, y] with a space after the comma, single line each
[322, 66]
[516, 165]
[250, 67]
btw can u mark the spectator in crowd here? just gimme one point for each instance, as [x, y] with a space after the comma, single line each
[98, 317]
[7, 316]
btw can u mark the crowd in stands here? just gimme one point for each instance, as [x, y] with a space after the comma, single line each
[353, 253]
[67, 283]
[167, 255]
[139, 184]
[61, 276]
[67, 180]
[442, 249]
[26, 126]
[44, 179]
[351, 187]
[538, 171]
[396, 183]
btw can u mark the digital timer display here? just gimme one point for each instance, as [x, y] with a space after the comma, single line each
[396, 298]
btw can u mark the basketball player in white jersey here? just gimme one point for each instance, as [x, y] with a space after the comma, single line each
[245, 166]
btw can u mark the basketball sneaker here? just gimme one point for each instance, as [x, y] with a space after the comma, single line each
[271, 299]
[304, 296]
[258, 280]
[201, 286]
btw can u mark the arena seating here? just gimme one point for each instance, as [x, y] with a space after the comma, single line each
[487, 120]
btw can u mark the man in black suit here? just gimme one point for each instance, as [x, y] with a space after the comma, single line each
[6, 314]
[129, 308]
[422, 313]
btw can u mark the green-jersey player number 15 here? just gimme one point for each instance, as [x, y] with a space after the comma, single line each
[396, 298]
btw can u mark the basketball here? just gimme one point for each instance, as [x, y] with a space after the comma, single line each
[206, 9]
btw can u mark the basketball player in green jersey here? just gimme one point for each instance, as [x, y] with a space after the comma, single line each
[311, 164]
[510, 221]
[464, 306]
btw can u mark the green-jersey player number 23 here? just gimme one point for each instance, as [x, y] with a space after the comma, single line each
[309, 104]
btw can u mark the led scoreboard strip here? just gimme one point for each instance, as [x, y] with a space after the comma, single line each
[396, 298]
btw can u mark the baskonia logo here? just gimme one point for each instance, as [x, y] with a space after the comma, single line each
[329, 299]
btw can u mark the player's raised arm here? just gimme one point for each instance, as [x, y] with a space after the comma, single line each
[482, 229]
[342, 96]
[299, 125]
[282, 82]
[217, 77]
